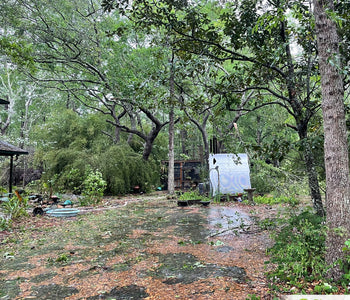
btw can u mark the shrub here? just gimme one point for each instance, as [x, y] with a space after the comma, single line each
[66, 169]
[124, 169]
[264, 179]
[267, 179]
[73, 180]
[299, 249]
[93, 188]
[67, 164]
[275, 200]
[15, 208]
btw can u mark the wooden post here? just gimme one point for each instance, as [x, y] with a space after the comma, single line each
[249, 194]
[181, 176]
[11, 170]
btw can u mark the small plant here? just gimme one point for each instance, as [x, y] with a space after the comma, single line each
[267, 224]
[193, 195]
[59, 260]
[253, 297]
[93, 188]
[217, 243]
[15, 208]
[190, 195]
[205, 199]
[4, 224]
[62, 258]
[325, 288]
[218, 197]
[2, 190]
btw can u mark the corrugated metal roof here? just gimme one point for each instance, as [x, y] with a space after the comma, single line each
[6, 149]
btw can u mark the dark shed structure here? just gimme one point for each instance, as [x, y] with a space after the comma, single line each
[6, 149]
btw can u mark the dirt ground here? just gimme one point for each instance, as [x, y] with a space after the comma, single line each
[139, 247]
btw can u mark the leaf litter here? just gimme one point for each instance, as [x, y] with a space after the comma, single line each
[137, 248]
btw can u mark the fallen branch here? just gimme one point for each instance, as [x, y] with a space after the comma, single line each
[228, 229]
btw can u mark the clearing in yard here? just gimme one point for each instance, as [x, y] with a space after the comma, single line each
[138, 247]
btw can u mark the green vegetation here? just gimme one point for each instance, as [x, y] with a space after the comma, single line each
[15, 208]
[93, 188]
[193, 195]
[124, 169]
[282, 180]
[92, 95]
[73, 149]
[271, 200]
[4, 223]
[345, 263]
[299, 250]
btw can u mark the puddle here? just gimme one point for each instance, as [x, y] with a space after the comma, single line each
[224, 249]
[222, 219]
[191, 225]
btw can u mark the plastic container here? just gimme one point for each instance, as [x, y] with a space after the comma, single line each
[63, 212]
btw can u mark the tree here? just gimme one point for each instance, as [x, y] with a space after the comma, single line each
[7, 83]
[198, 102]
[13, 47]
[335, 143]
[254, 39]
[171, 155]
[284, 79]
[74, 53]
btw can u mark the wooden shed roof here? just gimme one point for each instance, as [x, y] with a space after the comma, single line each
[6, 149]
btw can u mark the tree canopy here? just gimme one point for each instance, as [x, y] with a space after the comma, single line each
[251, 63]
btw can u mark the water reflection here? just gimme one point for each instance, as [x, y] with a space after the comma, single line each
[222, 219]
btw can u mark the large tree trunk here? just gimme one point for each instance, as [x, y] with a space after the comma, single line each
[311, 174]
[335, 144]
[148, 145]
[133, 127]
[149, 140]
[206, 147]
